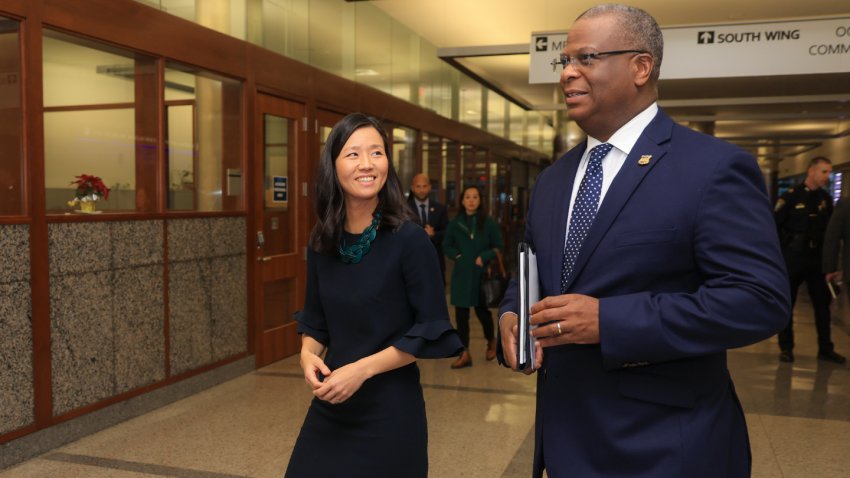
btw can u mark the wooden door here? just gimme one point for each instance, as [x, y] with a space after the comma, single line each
[281, 150]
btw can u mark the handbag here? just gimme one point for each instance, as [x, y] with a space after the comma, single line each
[494, 282]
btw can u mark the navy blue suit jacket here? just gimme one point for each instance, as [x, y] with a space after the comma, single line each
[684, 257]
[438, 218]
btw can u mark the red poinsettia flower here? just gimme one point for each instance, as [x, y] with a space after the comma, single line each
[88, 185]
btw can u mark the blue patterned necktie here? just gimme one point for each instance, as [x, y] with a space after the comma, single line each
[423, 214]
[584, 210]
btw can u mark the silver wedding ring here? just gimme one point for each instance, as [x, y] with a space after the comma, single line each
[558, 325]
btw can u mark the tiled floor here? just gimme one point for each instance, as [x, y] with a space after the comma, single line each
[480, 420]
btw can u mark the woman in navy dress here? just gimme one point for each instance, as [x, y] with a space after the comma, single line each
[374, 304]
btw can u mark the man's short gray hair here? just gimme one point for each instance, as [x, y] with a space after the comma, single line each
[638, 28]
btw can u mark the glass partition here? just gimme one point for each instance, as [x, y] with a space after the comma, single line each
[471, 96]
[285, 27]
[360, 41]
[496, 107]
[94, 96]
[451, 169]
[225, 17]
[11, 148]
[476, 172]
[435, 81]
[279, 160]
[433, 164]
[404, 154]
[203, 140]
[517, 125]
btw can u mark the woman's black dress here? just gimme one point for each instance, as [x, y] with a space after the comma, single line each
[393, 297]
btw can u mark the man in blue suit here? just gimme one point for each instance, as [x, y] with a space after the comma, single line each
[656, 253]
[431, 215]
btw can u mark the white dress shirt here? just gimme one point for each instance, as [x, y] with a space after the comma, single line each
[623, 141]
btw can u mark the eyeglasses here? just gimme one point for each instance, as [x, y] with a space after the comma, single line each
[585, 60]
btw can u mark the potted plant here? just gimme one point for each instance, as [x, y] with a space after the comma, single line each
[89, 190]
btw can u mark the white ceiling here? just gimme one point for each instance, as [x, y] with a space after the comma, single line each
[794, 113]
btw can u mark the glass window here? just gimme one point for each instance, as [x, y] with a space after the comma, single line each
[475, 171]
[405, 63]
[11, 154]
[496, 106]
[204, 140]
[451, 168]
[359, 41]
[471, 96]
[373, 40]
[331, 37]
[279, 160]
[433, 163]
[285, 28]
[434, 92]
[404, 154]
[97, 120]
[500, 172]
[225, 17]
[517, 125]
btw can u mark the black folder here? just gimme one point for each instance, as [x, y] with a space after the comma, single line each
[529, 294]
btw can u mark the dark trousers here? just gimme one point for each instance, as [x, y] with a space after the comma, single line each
[484, 316]
[806, 267]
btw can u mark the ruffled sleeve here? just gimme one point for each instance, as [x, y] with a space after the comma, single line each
[311, 319]
[432, 339]
[432, 334]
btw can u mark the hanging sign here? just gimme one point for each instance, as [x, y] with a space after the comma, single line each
[798, 47]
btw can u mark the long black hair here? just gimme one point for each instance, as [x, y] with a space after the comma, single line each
[480, 213]
[330, 198]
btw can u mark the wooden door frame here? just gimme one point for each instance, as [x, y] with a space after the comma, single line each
[295, 263]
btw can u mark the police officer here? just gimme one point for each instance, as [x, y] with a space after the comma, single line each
[802, 214]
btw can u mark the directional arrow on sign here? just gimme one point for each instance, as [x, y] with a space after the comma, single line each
[541, 43]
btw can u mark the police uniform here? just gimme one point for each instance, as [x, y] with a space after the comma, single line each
[802, 215]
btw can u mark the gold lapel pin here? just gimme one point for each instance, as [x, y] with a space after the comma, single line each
[644, 160]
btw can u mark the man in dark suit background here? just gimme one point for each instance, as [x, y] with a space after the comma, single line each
[656, 253]
[432, 215]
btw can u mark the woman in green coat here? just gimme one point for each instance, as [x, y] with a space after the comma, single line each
[471, 240]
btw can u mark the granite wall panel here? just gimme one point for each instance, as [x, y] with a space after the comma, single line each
[227, 236]
[189, 314]
[138, 319]
[106, 309]
[137, 243]
[229, 314]
[82, 339]
[107, 302]
[207, 291]
[14, 254]
[79, 247]
[189, 239]
[16, 375]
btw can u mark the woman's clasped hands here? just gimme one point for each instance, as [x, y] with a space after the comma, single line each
[333, 387]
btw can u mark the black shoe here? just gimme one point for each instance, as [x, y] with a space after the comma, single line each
[831, 356]
[786, 356]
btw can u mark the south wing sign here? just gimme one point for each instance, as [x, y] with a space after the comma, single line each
[798, 47]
